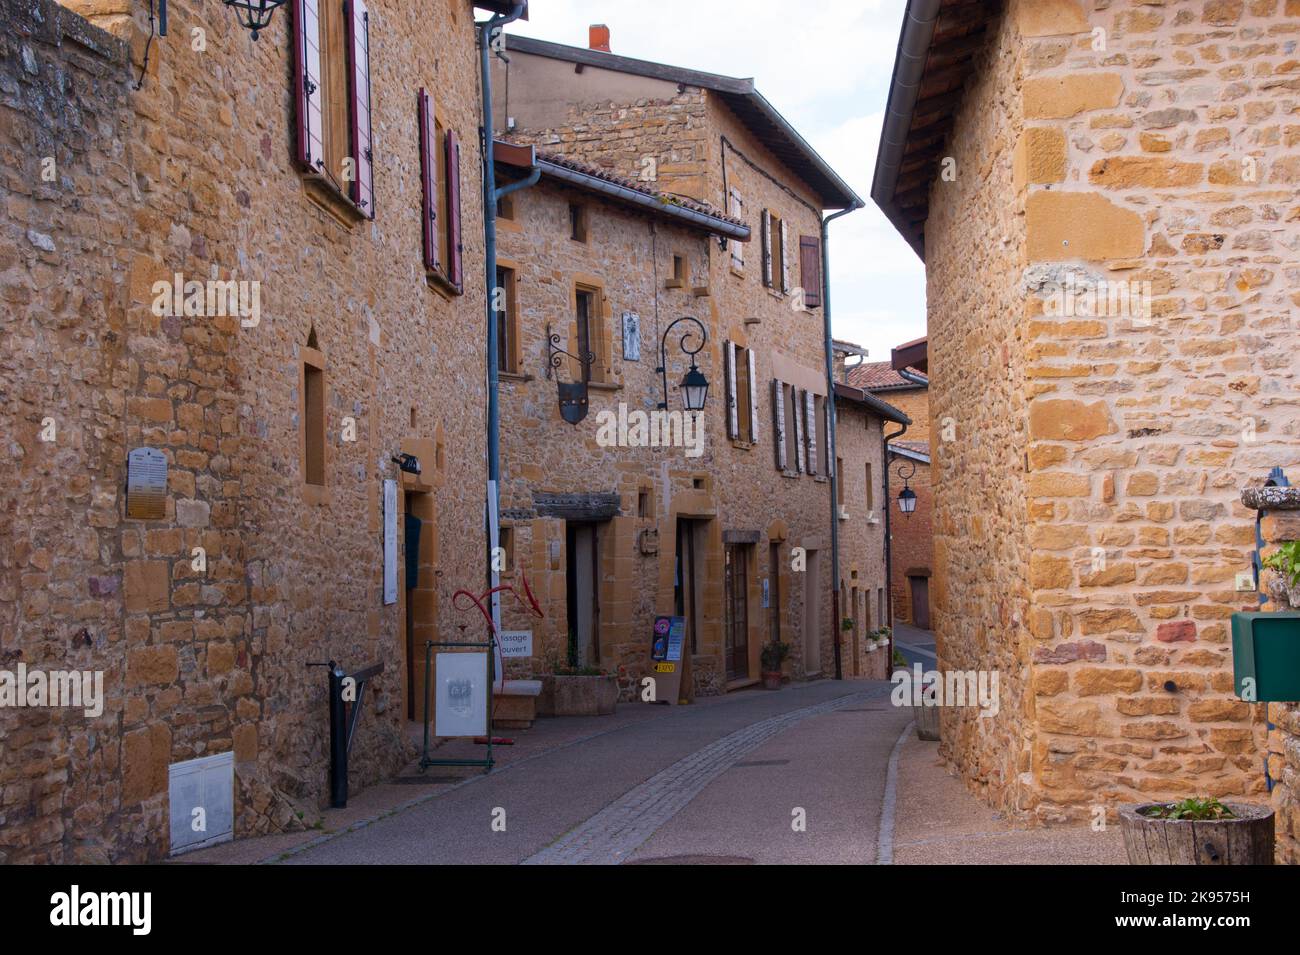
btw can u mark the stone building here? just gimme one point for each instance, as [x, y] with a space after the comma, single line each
[141, 172]
[699, 137]
[911, 536]
[862, 423]
[1105, 196]
[616, 517]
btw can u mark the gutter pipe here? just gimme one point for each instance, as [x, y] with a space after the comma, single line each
[830, 429]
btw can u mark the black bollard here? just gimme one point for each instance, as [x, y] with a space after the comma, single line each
[338, 740]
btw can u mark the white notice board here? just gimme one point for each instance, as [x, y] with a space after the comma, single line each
[462, 694]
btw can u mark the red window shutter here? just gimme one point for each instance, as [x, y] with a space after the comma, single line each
[429, 178]
[810, 270]
[307, 84]
[453, 209]
[362, 187]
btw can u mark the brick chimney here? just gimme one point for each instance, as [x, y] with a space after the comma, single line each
[598, 37]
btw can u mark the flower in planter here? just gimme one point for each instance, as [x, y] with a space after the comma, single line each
[1191, 808]
[1285, 562]
[773, 656]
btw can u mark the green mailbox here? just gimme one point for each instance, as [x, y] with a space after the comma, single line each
[1266, 651]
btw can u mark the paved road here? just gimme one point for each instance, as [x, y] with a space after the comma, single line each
[917, 645]
[793, 776]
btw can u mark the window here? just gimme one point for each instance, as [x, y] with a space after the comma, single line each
[794, 432]
[776, 252]
[742, 399]
[506, 541]
[440, 179]
[810, 270]
[506, 207]
[678, 279]
[506, 309]
[839, 480]
[735, 245]
[590, 331]
[332, 90]
[313, 417]
[645, 503]
[577, 222]
[871, 491]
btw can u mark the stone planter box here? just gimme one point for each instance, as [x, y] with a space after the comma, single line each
[577, 695]
[927, 723]
[1246, 839]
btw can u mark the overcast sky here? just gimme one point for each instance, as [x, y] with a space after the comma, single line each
[825, 64]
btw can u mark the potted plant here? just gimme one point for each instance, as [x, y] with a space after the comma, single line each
[1197, 831]
[573, 690]
[772, 657]
[1284, 583]
[846, 624]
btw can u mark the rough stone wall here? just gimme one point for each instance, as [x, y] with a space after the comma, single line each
[1157, 151]
[981, 562]
[679, 132]
[862, 537]
[189, 174]
[61, 357]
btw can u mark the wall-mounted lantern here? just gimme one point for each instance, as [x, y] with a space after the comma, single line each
[254, 15]
[907, 497]
[572, 394]
[694, 386]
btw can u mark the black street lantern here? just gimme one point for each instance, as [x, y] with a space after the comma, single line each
[694, 386]
[907, 497]
[254, 15]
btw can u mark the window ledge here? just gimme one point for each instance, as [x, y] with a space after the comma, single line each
[520, 376]
[326, 196]
[316, 495]
[791, 474]
[605, 385]
[441, 283]
[742, 444]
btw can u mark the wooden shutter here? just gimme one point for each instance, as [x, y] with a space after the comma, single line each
[362, 187]
[737, 247]
[810, 270]
[307, 84]
[810, 429]
[766, 234]
[753, 398]
[733, 425]
[799, 444]
[785, 257]
[778, 422]
[429, 180]
[455, 267]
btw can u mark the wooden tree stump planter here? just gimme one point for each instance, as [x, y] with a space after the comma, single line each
[1245, 839]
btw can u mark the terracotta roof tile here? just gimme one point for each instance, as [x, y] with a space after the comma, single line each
[876, 376]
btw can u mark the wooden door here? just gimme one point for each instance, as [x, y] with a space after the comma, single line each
[920, 601]
[736, 590]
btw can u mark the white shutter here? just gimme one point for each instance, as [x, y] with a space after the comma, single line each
[737, 247]
[753, 398]
[778, 421]
[785, 257]
[766, 235]
[799, 458]
[733, 426]
[810, 412]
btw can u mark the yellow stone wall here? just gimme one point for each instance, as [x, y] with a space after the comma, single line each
[1097, 456]
[192, 173]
